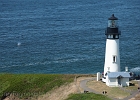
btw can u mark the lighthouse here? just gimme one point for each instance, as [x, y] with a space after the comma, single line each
[112, 55]
[112, 76]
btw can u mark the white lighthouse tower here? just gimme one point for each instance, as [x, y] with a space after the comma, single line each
[113, 77]
[112, 55]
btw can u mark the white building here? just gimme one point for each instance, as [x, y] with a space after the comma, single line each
[112, 75]
[115, 79]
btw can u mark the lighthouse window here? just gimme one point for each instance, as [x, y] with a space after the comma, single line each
[109, 36]
[112, 23]
[114, 59]
[114, 36]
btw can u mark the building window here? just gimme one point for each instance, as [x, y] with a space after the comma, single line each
[114, 59]
[108, 69]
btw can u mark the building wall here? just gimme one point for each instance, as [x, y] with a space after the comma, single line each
[113, 82]
[112, 49]
[125, 81]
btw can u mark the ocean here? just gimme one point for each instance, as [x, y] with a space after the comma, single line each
[65, 36]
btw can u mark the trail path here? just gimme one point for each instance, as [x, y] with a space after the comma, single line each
[83, 85]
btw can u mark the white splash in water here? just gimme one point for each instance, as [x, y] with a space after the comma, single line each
[19, 43]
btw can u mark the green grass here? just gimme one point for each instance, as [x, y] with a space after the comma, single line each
[32, 83]
[87, 96]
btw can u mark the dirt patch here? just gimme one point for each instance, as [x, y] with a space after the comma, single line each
[59, 94]
[113, 92]
[64, 91]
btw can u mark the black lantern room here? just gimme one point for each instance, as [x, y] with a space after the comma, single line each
[112, 31]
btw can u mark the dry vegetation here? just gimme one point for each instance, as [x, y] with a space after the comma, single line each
[113, 92]
[137, 97]
[64, 91]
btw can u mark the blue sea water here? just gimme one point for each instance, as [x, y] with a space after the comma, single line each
[65, 36]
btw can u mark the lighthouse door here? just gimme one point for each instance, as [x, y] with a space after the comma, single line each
[119, 80]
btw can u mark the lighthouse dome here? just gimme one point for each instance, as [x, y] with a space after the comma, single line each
[113, 17]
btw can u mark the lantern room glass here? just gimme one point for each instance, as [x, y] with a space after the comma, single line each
[112, 23]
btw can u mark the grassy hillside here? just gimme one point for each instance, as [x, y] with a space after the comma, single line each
[88, 96]
[32, 83]
[29, 85]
